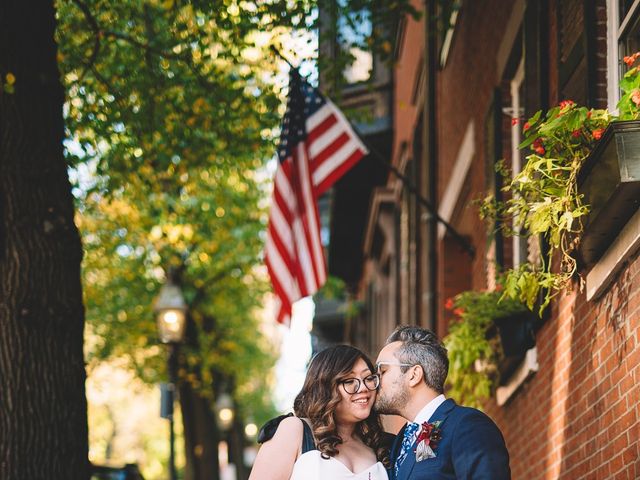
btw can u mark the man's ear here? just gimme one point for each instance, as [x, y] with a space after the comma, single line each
[416, 375]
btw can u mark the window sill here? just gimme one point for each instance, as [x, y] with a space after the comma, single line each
[527, 368]
[605, 270]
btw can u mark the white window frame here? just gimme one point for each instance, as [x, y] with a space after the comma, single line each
[615, 32]
[516, 138]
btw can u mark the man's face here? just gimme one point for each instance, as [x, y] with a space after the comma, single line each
[393, 393]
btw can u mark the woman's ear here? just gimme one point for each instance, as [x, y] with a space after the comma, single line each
[416, 375]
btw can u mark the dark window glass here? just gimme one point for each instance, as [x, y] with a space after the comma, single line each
[630, 41]
[625, 6]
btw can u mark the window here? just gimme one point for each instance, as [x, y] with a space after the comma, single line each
[623, 39]
[353, 31]
[514, 248]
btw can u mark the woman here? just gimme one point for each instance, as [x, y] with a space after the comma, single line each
[334, 434]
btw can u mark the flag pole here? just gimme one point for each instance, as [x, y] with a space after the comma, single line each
[463, 241]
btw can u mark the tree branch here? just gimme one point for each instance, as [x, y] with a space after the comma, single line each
[96, 30]
[200, 293]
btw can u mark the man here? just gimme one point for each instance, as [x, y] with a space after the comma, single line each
[442, 440]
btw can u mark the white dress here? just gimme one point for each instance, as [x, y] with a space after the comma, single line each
[311, 466]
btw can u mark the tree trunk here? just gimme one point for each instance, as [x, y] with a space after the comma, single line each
[200, 436]
[236, 447]
[43, 411]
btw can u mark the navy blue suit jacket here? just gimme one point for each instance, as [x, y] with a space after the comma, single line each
[471, 447]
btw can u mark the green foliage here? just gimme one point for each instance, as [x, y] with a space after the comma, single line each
[336, 289]
[543, 198]
[8, 85]
[172, 114]
[473, 345]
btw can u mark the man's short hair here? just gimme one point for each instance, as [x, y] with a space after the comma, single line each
[422, 347]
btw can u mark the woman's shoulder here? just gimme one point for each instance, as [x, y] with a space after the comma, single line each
[283, 427]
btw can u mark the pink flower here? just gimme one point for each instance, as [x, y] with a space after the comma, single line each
[538, 146]
[526, 127]
[514, 121]
[575, 133]
[449, 304]
[635, 96]
[458, 311]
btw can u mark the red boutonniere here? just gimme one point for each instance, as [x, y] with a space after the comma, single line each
[428, 438]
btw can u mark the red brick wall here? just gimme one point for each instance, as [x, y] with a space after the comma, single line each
[578, 417]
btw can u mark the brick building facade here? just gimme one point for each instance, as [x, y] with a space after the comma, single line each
[572, 410]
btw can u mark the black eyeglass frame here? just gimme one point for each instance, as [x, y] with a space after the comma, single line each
[359, 382]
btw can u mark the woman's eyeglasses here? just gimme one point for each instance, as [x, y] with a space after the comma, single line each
[352, 385]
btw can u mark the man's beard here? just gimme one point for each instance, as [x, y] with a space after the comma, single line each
[394, 403]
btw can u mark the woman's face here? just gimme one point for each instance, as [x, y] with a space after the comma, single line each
[355, 407]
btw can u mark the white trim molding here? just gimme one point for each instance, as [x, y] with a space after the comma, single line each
[613, 92]
[509, 37]
[623, 247]
[380, 195]
[457, 178]
[527, 368]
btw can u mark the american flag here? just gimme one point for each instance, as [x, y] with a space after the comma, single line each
[317, 146]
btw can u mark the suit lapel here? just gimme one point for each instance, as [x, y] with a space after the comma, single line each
[442, 411]
[440, 414]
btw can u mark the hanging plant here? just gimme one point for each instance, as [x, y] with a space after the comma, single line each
[474, 345]
[543, 198]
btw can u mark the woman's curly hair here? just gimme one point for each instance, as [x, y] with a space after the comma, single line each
[319, 397]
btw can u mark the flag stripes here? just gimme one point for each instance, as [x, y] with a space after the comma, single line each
[317, 147]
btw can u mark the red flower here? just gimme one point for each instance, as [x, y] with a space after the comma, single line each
[430, 434]
[635, 96]
[514, 121]
[589, 114]
[526, 127]
[538, 146]
[458, 311]
[449, 304]
[630, 60]
[575, 133]
[566, 104]
[597, 133]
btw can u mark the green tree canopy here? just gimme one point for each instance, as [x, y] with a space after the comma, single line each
[171, 116]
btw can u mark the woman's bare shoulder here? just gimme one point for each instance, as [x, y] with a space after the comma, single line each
[290, 426]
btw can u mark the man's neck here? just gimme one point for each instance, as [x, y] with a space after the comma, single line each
[417, 402]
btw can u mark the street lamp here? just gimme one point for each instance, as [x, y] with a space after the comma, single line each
[171, 312]
[224, 408]
[171, 316]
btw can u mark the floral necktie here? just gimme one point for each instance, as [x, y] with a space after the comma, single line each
[407, 441]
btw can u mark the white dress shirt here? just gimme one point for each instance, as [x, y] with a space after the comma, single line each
[425, 414]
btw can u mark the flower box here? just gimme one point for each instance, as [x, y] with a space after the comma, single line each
[517, 335]
[610, 183]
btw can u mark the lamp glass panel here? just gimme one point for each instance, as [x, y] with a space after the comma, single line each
[171, 325]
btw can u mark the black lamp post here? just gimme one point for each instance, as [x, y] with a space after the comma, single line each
[171, 315]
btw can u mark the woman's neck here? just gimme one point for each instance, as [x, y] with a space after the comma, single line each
[346, 431]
